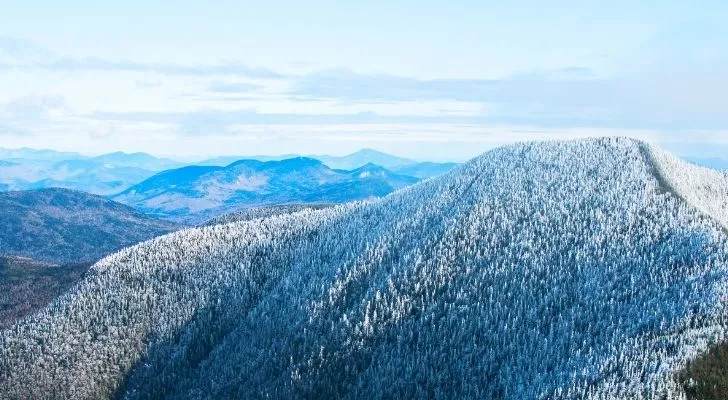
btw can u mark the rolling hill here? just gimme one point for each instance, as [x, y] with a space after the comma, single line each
[60, 225]
[196, 193]
[583, 269]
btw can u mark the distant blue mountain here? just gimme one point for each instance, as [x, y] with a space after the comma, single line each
[92, 176]
[26, 155]
[227, 160]
[137, 160]
[107, 174]
[352, 161]
[363, 157]
[194, 193]
[79, 174]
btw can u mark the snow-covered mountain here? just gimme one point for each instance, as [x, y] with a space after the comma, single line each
[250, 214]
[196, 193]
[584, 269]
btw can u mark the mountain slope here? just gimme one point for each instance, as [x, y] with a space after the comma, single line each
[250, 214]
[704, 188]
[198, 192]
[62, 225]
[28, 285]
[549, 270]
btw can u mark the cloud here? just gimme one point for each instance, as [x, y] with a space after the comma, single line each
[24, 54]
[344, 84]
[677, 98]
[25, 115]
[32, 108]
[19, 50]
[101, 132]
[147, 84]
[233, 87]
[98, 64]
[7, 129]
[219, 121]
[196, 120]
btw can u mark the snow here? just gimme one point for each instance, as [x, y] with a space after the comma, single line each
[704, 188]
[581, 269]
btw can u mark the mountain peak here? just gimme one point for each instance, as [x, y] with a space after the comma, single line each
[299, 161]
[369, 151]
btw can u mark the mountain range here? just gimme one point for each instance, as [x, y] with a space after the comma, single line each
[196, 193]
[351, 161]
[584, 269]
[110, 174]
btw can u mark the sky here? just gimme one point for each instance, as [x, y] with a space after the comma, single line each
[421, 79]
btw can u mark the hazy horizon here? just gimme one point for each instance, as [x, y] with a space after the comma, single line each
[690, 154]
[416, 79]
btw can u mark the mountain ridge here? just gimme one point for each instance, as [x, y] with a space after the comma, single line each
[63, 225]
[540, 270]
[200, 192]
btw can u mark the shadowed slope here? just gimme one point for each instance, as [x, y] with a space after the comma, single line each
[62, 225]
